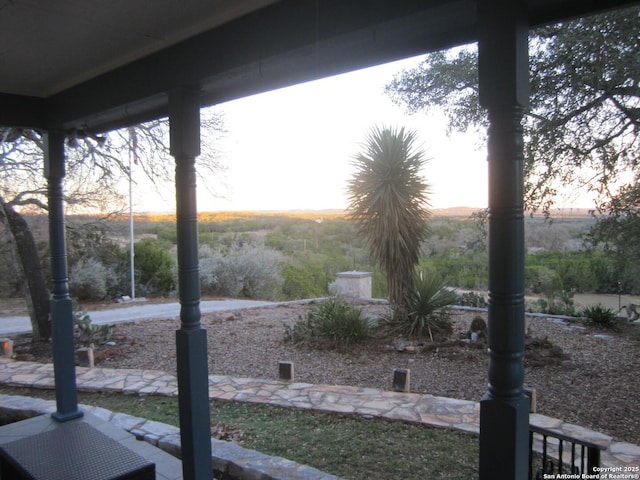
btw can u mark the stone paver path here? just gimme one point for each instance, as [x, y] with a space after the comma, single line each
[430, 410]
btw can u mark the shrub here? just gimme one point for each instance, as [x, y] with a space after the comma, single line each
[90, 280]
[600, 316]
[153, 267]
[332, 321]
[554, 305]
[539, 305]
[472, 299]
[464, 269]
[306, 281]
[87, 332]
[426, 309]
[244, 271]
[542, 280]
[91, 240]
[479, 327]
[563, 304]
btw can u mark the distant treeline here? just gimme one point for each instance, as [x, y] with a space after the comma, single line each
[289, 255]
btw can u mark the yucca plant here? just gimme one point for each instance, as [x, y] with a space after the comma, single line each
[389, 203]
[427, 312]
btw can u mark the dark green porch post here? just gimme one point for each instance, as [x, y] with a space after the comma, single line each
[504, 76]
[191, 339]
[61, 305]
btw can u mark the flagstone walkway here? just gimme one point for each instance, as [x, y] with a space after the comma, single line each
[430, 410]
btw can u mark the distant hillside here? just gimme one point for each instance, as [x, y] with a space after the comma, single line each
[571, 212]
[326, 213]
[454, 211]
[242, 215]
[458, 212]
[555, 213]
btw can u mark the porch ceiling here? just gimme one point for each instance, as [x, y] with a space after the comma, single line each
[102, 64]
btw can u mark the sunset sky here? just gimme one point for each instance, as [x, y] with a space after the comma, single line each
[291, 149]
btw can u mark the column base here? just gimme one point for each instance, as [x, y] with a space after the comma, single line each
[65, 417]
[504, 438]
[193, 401]
[64, 362]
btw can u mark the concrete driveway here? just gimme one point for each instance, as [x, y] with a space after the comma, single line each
[135, 312]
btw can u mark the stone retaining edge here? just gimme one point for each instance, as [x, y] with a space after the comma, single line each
[227, 458]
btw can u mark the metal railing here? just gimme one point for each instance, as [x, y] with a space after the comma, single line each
[560, 454]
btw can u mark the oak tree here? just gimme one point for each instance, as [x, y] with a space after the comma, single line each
[582, 126]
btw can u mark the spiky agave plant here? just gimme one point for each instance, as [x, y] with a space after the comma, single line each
[427, 312]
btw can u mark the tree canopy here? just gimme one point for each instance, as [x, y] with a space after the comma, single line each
[583, 123]
[95, 168]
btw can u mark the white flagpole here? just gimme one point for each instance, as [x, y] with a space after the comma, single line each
[132, 154]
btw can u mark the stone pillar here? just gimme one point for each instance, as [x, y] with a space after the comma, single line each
[191, 338]
[503, 70]
[61, 304]
[352, 284]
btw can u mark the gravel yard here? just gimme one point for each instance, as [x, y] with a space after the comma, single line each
[582, 376]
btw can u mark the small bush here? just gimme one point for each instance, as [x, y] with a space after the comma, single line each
[90, 280]
[542, 280]
[303, 281]
[599, 316]
[472, 299]
[332, 321]
[244, 271]
[539, 305]
[562, 304]
[427, 312]
[87, 332]
[479, 327]
[153, 268]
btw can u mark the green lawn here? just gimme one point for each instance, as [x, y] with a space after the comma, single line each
[348, 446]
